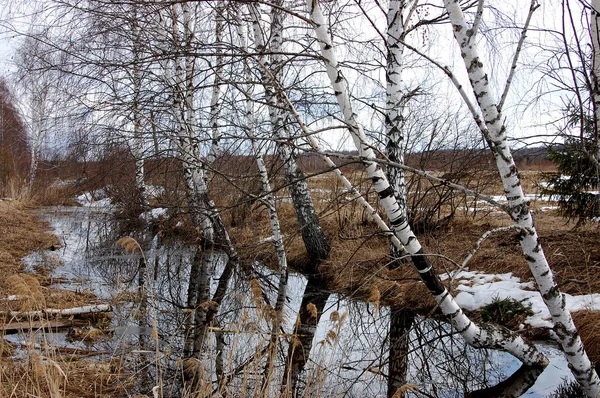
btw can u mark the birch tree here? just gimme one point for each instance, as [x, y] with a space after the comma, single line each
[39, 89]
[494, 130]
[315, 241]
[477, 336]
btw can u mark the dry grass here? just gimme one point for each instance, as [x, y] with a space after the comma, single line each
[53, 375]
[588, 325]
[42, 373]
[22, 233]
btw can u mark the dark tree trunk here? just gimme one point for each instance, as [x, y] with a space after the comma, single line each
[300, 346]
[401, 321]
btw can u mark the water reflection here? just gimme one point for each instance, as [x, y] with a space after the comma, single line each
[350, 351]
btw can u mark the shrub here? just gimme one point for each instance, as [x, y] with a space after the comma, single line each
[508, 312]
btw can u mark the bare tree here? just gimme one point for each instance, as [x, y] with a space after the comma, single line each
[494, 130]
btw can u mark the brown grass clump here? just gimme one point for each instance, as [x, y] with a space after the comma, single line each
[21, 234]
[52, 375]
[28, 288]
[588, 326]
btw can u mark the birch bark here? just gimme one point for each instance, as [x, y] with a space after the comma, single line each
[215, 106]
[532, 249]
[268, 199]
[401, 319]
[315, 241]
[595, 34]
[202, 209]
[484, 336]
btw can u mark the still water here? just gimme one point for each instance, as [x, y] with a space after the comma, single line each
[351, 361]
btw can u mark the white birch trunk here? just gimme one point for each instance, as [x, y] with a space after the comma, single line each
[138, 144]
[476, 336]
[313, 237]
[496, 136]
[86, 309]
[394, 120]
[277, 236]
[202, 209]
[38, 126]
[215, 105]
[595, 34]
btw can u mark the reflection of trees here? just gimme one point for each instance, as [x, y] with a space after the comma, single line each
[350, 354]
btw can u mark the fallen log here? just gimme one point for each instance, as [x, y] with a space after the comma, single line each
[57, 324]
[81, 352]
[86, 309]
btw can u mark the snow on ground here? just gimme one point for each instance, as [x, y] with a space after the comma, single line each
[157, 213]
[95, 199]
[476, 290]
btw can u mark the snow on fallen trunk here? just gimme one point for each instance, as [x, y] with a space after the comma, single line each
[487, 336]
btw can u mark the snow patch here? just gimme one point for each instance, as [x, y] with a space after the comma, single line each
[476, 290]
[97, 199]
[158, 212]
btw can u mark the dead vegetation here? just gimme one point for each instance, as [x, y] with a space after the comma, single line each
[42, 372]
[357, 268]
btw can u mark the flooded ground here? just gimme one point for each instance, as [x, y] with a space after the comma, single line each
[350, 350]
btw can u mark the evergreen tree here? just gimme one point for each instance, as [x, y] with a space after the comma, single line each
[576, 183]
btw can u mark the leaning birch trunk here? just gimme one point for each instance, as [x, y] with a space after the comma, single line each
[532, 249]
[273, 218]
[477, 336]
[595, 34]
[315, 241]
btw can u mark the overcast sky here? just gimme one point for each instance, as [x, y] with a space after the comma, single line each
[522, 120]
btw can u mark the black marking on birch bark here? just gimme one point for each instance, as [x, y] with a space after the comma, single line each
[337, 93]
[386, 193]
[551, 294]
[529, 259]
[327, 46]
[376, 179]
[430, 278]
[480, 94]
[494, 121]
[398, 221]
[465, 328]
